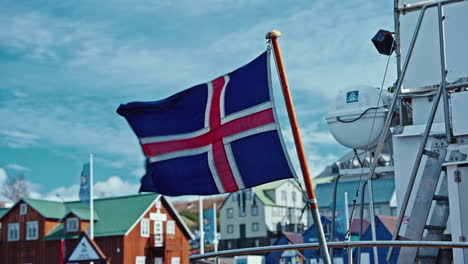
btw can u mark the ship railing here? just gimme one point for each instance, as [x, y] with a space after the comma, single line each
[202, 258]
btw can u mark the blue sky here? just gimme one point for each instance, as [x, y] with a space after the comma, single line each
[65, 67]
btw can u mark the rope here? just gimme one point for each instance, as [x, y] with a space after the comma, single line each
[308, 205]
[357, 118]
[348, 232]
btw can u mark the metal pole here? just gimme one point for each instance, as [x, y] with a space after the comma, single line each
[200, 222]
[414, 172]
[341, 244]
[372, 217]
[350, 251]
[273, 36]
[443, 74]
[362, 219]
[335, 189]
[396, 47]
[388, 120]
[420, 5]
[215, 229]
[91, 196]
[396, 44]
[215, 232]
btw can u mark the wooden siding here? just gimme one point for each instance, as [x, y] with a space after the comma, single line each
[120, 249]
[25, 251]
[174, 245]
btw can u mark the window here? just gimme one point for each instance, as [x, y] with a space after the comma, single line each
[230, 213]
[255, 227]
[293, 196]
[230, 229]
[170, 227]
[235, 196]
[229, 245]
[283, 196]
[257, 242]
[31, 230]
[23, 209]
[158, 233]
[13, 232]
[140, 260]
[158, 261]
[175, 260]
[72, 224]
[248, 194]
[145, 228]
[254, 210]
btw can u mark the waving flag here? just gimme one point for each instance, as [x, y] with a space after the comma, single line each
[84, 183]
[216, 137]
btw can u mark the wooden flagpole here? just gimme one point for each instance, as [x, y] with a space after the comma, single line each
[273, 37]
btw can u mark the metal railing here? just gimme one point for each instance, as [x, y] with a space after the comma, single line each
[342, 244]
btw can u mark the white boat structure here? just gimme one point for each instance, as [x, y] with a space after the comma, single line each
[423, 118]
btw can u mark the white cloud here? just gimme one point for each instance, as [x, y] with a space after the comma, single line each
[311, 134]
[138, 172]
[112, 186]
[17, 167]
[115, 186]
[80, 125]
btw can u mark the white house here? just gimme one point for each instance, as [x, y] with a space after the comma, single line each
[254, 217]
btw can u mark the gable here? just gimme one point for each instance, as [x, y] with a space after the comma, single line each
[170, 209]
[14, 212]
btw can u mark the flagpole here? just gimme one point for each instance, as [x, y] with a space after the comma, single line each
[200, 218]
[215, 229]
[273, 37]
[91, 197]
[348, 237]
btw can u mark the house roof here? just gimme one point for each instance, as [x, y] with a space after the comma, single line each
[48, 209]
[356, 225]
[383, 191]
[116, 215]
[3, 211]
[82, 213]
[388, 221]
[260, 191]
[290, 236]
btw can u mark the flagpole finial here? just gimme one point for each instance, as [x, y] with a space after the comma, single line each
[273, 34]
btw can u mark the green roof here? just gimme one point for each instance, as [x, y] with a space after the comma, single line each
[3, 211]
[48, 209]
[114, 216]
[383, 191]
[83, 213]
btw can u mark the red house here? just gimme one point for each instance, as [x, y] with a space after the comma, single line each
[131, 229]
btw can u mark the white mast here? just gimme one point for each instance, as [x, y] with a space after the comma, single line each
[91, 197]
[200, 216]
[215, 229]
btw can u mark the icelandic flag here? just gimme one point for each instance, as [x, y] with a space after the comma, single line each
[84, 183]
[216, 137]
